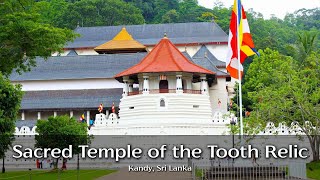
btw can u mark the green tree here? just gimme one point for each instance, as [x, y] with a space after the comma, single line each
[307, 42]
[222, 16]
[147, 8]
[60, 132]
[161, 7]
[100, 13]
[23, 36]
[10, 99]
[282, 90]
[206, 17]
[50, 10]
[170, 17]
[190, 11]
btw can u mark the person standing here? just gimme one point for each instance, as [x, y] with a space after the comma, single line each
[37, 163]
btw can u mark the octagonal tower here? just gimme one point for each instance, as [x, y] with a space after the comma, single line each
[172, 89]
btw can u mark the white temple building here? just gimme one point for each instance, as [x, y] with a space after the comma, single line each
[173, 97]
[159, 85]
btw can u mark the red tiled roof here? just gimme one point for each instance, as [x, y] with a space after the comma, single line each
[164, 57]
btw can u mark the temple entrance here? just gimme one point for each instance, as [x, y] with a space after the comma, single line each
[163, 86]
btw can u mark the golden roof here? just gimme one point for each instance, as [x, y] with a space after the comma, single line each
[122, 41]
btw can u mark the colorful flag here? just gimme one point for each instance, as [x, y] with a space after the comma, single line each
[113, 108]
[82, 117]
[239, 26]
[100, 109]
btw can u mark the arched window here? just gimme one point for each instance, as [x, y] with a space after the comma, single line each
[163, 86]
[162, 103]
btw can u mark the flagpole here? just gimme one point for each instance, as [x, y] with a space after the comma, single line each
[239, 71]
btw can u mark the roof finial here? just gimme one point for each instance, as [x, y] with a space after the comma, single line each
[165, 35]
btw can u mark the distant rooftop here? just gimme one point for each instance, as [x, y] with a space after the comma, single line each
[151, 34]
[122, 42]
[81, 67]
[70, 99]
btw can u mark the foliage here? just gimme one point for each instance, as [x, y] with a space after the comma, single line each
[99, 13]
[53, 175]
[60, 132]
[10, 98]
[147, 8]
[313, 170]
[285, 91]
[170, 16]
[23, 36]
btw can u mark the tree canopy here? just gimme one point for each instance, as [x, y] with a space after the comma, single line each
[284, 90]
[10, 99]
[98, 13]
[25, 35]
[60, 132]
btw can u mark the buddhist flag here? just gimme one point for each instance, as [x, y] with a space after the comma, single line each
[238, 27]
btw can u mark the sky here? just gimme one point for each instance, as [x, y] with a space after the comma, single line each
[267, 7]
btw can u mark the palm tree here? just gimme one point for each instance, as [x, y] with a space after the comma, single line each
[306, 44]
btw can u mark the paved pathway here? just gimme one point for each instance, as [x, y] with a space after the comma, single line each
[123, 174]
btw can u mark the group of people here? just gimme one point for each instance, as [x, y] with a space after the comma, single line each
[48, 163]
[91, 121]
[44, 163]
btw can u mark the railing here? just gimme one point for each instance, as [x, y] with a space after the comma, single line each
[158, 91]
[134, 93]
[191, 91]
[249, 171]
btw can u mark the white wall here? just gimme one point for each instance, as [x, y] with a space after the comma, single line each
[219, 51]
[218, 92]
[86, 52]
[73, 84]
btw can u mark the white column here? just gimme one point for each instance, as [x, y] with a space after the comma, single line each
[88, 118]
[204, 85]
[71, 114]
[55, 114]
[130, 85]
[39, 115]
[23, 117]
[125, 86]
[179, 84]
[146, 89]
[107, 113]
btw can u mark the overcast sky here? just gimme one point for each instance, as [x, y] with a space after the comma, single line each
[268, 7]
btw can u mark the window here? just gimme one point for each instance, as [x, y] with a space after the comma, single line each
[228, 79]
[162, 103]
[163, 86]
[131, 107]
[195, 106]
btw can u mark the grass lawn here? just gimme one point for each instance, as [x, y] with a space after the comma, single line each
[53, 175]
[313, 170]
